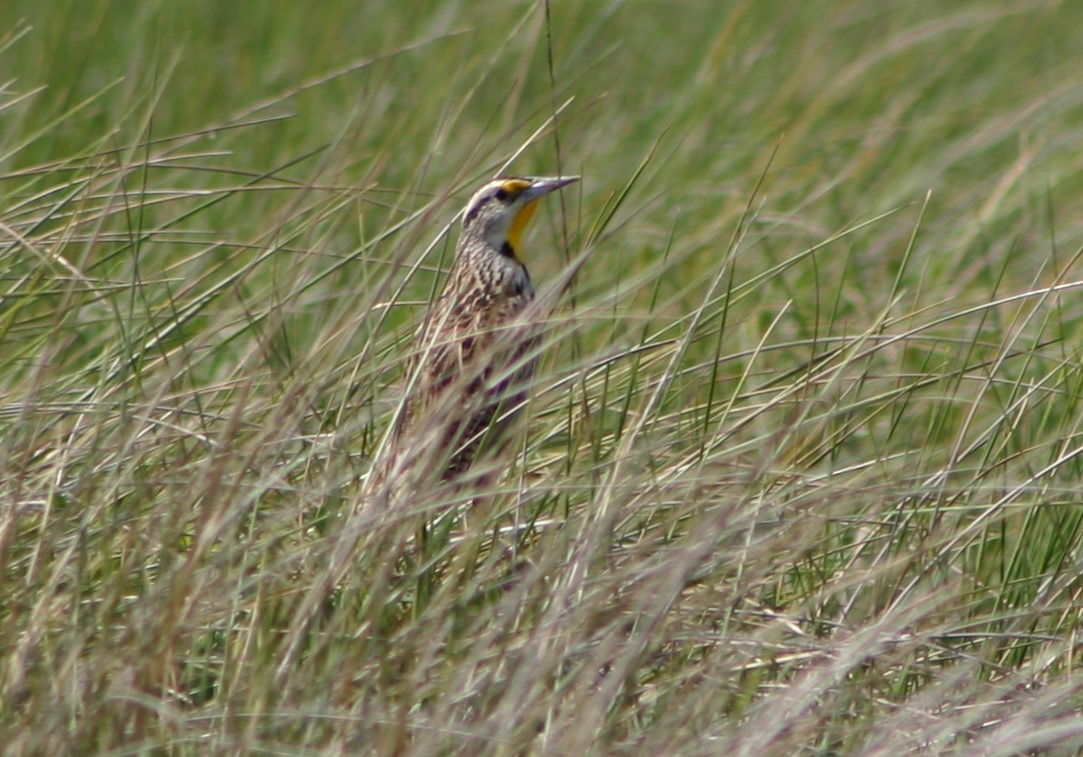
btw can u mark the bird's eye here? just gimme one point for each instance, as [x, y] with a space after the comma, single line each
[501, 194]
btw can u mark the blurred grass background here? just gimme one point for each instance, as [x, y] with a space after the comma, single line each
[803, 470]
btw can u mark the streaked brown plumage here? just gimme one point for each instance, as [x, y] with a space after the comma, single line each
[474, 356]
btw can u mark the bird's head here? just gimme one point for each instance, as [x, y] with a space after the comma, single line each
[500, 211]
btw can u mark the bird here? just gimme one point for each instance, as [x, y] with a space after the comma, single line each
[475, 353]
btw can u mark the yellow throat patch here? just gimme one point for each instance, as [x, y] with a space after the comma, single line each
[519, 224]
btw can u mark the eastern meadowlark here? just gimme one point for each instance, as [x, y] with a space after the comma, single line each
[475, 352]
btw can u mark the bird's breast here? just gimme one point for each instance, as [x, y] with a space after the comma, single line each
[521, 286]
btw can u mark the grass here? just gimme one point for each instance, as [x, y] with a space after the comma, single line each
[803, 462]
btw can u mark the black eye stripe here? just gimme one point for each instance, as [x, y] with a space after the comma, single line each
[473, 212]
[500, 194]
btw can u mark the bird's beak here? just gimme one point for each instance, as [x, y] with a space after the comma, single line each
[543, 185]
[527, 203]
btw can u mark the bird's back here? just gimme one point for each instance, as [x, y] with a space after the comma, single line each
[473, 359]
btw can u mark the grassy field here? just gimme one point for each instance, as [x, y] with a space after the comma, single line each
[804, 465]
